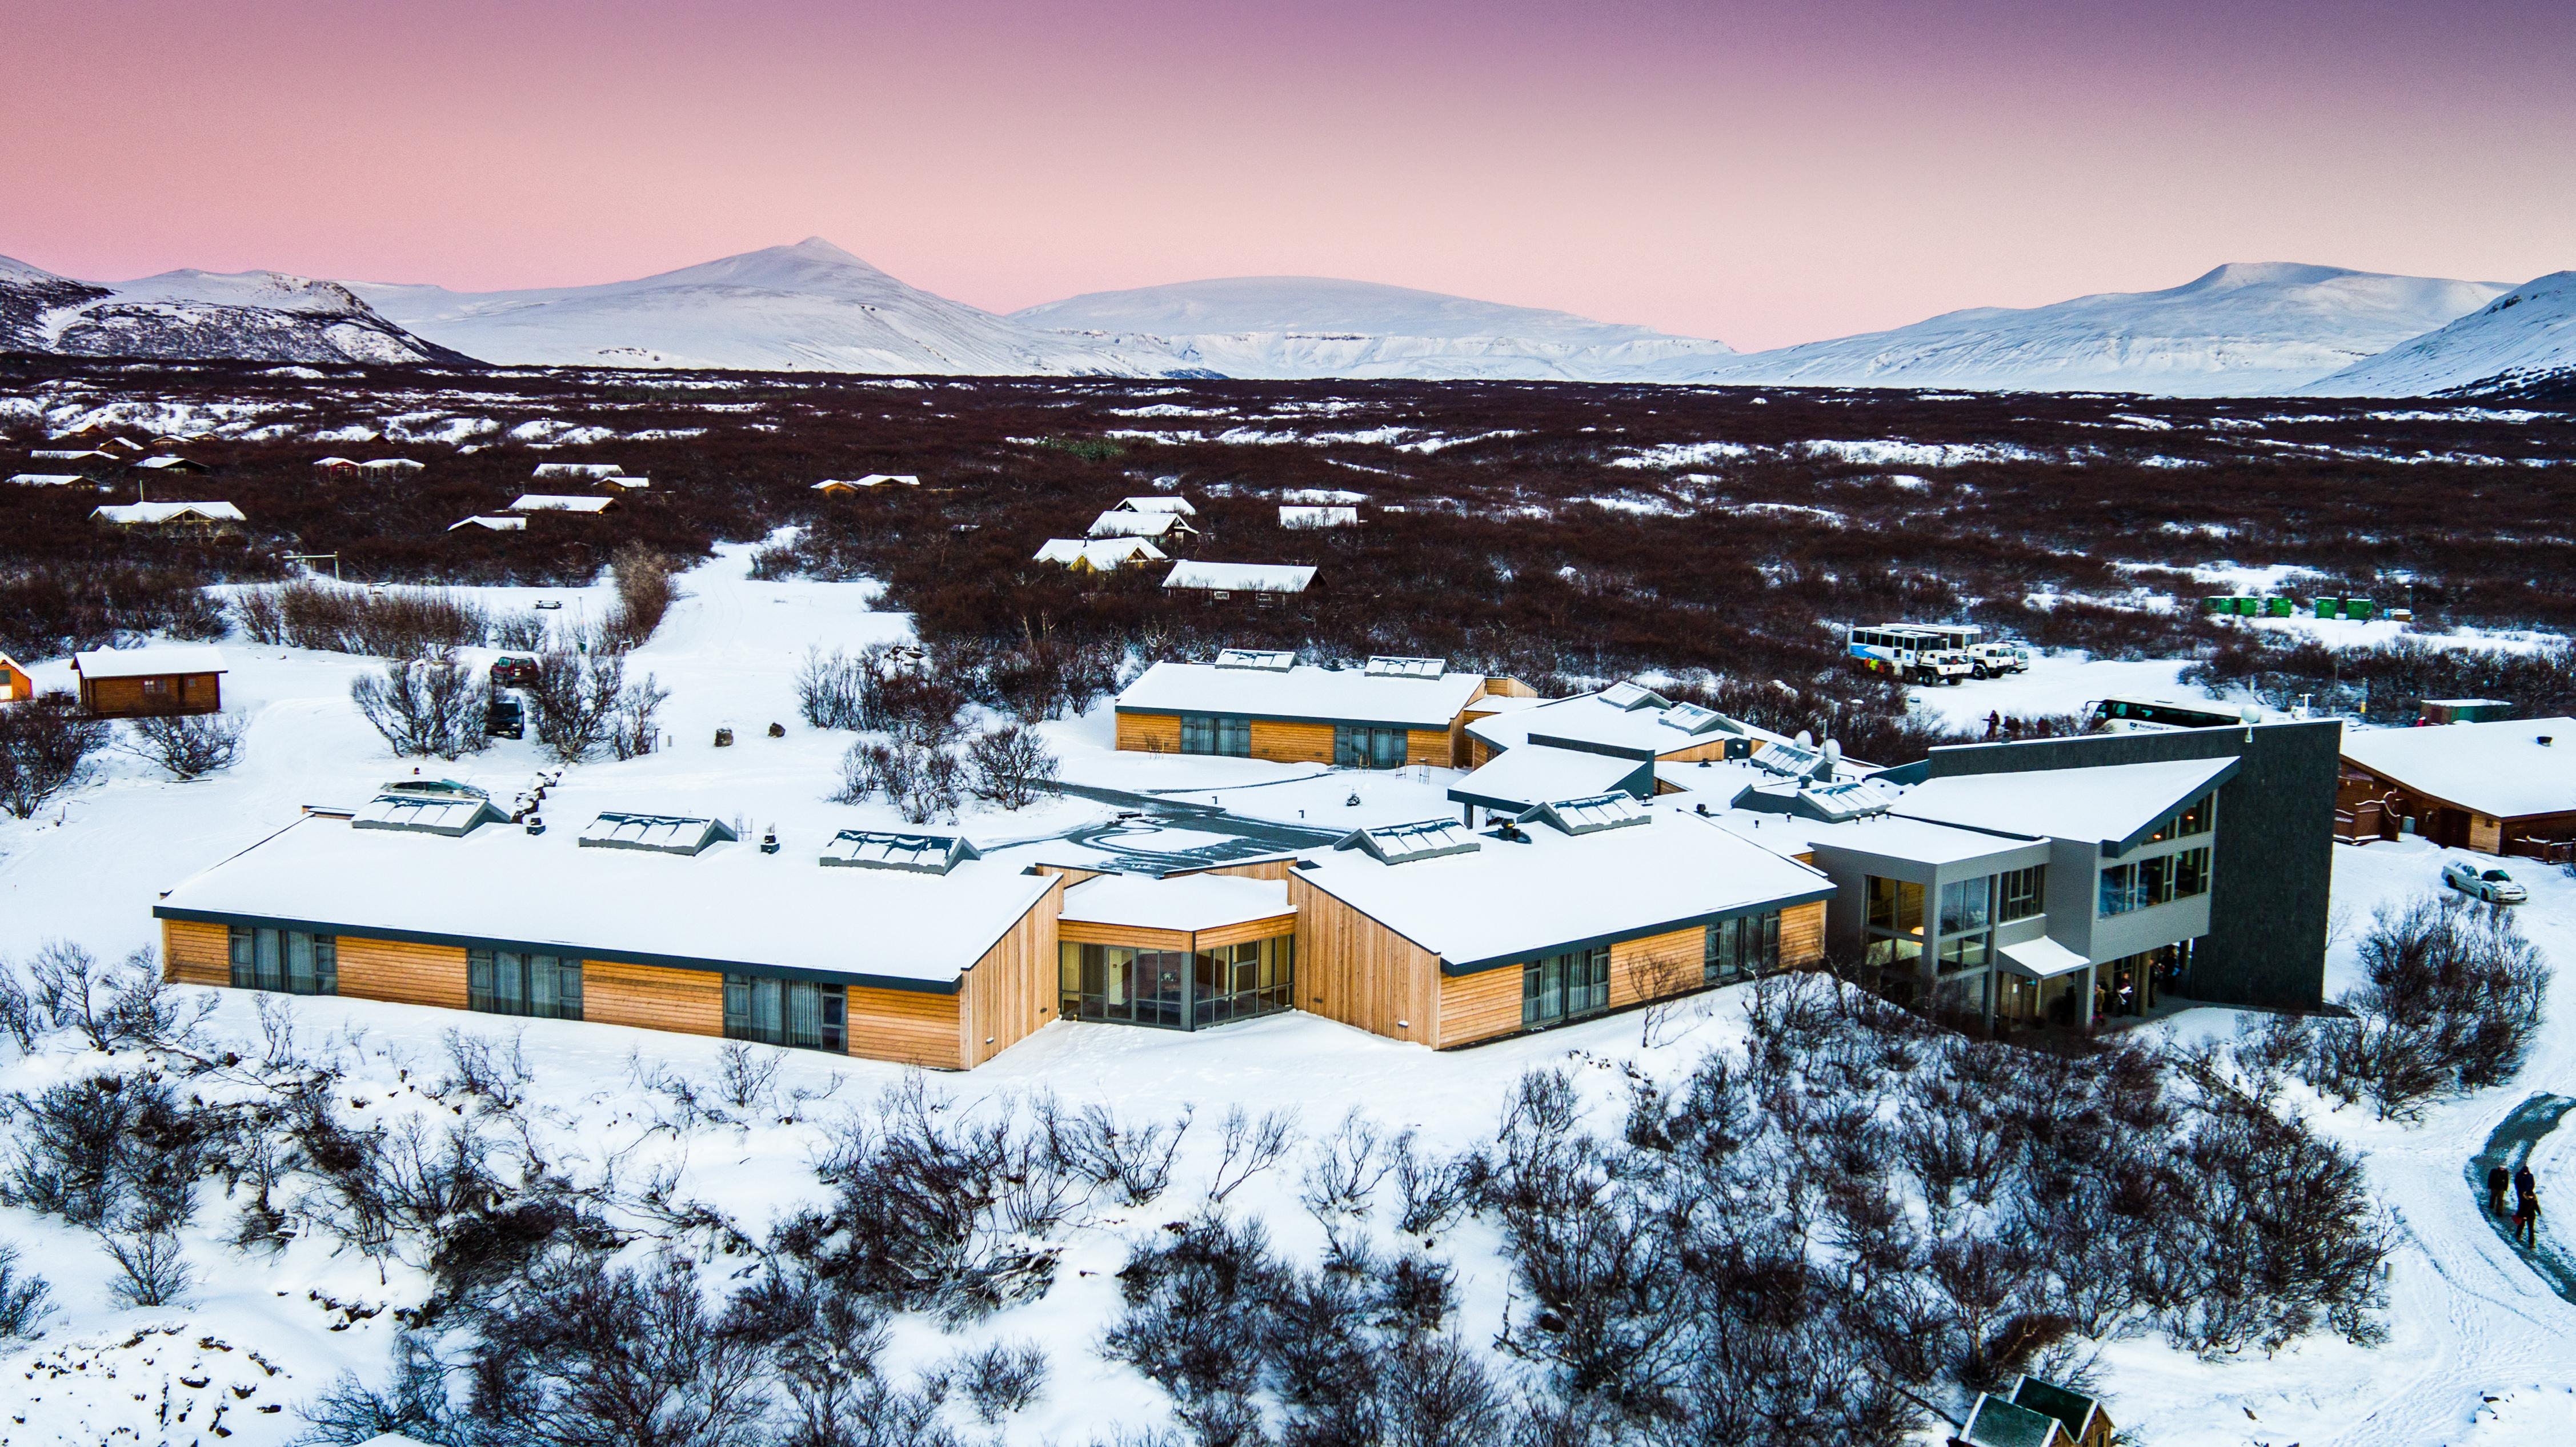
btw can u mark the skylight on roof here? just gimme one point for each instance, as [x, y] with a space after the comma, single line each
[1690, 718]
[1389, 666]
[420, 811]
[1630, 697]
[887, 849]
[1789, 761]
[662, 833]
[1405, 843]
[1595, 812]
[1267, 660]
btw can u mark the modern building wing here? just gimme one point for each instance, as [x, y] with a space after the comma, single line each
[1268, 706]
[2504, 786]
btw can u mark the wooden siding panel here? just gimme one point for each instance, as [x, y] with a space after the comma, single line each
[909, 1027]
[1086, 932]
[1481, 1006]
[651, 997]
[1251, 929]
[1437, 747]
[1012, 990]
[1150, 733]
[1802, 935]
[1658, 965]
[196, 953]
[407, 974]
[1353, 969]
[1292, 743]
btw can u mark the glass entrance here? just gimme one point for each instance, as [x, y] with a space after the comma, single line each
[1175, 989]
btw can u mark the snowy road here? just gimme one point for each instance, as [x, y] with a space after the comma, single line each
[2509, 1145]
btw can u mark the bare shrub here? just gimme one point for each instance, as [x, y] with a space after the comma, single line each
[1250, 1149]
[633, 727]
[425, 707]
[523, 632]
[920, 781]
[415, 1403]
[1433, 1191]
[386, 622]
[1343, 1170]
[748, 1073]
[155, 1270]
[573, 703]
[188, 745]
[45, 744]
[126, 1003]
[1008, 766]
[23, 1297]
[2453, 998]
[645, 592]
[1098, 1146]
[1001, 1379]
[585, 1354]
[833, 690]
[477, 1067]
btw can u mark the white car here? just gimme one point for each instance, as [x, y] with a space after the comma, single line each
[2492, 885]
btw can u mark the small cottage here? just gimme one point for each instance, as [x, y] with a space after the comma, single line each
[166, 678]
[491, 524]
[1160, 526]
[178, 519]
[1265, 584]
[15, 685]
[168, 465]
[832, 485]
[535, 502]
[390, 469]
[46, 479]
[1098, 555]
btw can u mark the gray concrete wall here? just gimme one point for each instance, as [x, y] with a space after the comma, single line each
[2271, 856]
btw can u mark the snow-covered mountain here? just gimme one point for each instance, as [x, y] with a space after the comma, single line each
[2245, 329]
[807, 307]
[2523, 342]
[264, 316]
[1301, 326]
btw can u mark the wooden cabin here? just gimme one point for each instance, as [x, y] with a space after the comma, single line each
[843, 486]
[2505, 786]
[546, 502]
[1265, 585]
[1263, 704]
[1098, 555]
[166, 678]
[194, 520]
[15, 685]
[1162, 527]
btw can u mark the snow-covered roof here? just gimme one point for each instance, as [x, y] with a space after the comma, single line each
[1179, 505]
[873, 479]
[1624, 718]
[393, 464]
[1100, 553]
[1533, 774]
[2498, 768]
[557, 502]
[889, 849]
[47, 479]
[577, 469]
[496, 524]
[1418, 840]
[335, 462]
[2041, 958]
[2107, 803]
[1889, 836]
[1268, 660]
[1241, 577]
[1293, 516]
[129, 513]
[1184, 902]
[1324, 695]
[662, 833]
[165, 463]
[1615, 809]
[626, 483]
[1510, 901]
[1120, 524]
[159, 660]
[69, 454]
[450, 813]
[730, 906]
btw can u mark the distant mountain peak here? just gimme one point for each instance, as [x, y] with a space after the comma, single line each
[2235, 274]
[2523, 343]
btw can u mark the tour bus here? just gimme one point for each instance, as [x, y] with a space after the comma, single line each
[2155, 715]
[1909, 653]
[1985, 660]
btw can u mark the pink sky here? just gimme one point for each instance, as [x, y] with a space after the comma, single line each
[1712, 168]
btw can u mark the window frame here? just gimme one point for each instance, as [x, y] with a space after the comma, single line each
[320, 974]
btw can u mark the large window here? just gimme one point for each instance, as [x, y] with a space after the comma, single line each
[1744, 947]
[2151, 882]
[1125, 984]
[1203, 733]
[800, 1013]
[1963, 906]
[1366, 746]
[287, 960]
[2192, 818]
[1565, 987]
[1895, 905]
[1237, 982]
[513, 982]
[2021, 893]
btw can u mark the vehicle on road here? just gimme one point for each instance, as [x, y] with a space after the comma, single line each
[2492, 885]
[1913, 655]
[505, 717]
[512, 670]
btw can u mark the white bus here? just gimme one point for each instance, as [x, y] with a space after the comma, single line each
[1986, 660]
[1909, 653]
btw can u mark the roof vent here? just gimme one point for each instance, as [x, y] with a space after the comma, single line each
[1405, 843]
[1694, 720]
[1592, 813]
[1389, 666]
[661, 833]
[1265, 660]
[441, 807]
[1629, 697]
[884, 849]
[2544, 740]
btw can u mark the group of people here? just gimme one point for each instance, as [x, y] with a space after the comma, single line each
[2526, 1203]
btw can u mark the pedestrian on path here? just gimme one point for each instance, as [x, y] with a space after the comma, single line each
[2523, 1184]
[2526, 1220]
[2497, 1179]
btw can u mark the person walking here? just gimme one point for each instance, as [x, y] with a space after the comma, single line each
[2526, 1220]
[2523, 1184]
[2497, 1179]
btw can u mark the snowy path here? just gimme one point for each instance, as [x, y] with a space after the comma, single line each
[2509, 1145]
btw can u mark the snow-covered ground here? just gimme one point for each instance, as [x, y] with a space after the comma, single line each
[2480, 1351]
[2057, 683]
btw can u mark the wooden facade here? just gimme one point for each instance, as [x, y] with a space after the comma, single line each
[152, 695]
[1353, 969]
[1011, 991]
[2370, 805]
[652, 997]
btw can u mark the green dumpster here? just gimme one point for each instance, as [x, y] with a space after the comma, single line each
[2327, 607]
[2360, 610]
[2279, 608]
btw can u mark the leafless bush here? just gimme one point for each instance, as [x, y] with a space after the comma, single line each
[20, 1018]
[573, 704]
[645, 592]
[155, 1268]
[425, 707]
[110, 1005]
[1434, 1191]
[101, 1150]
[188, 745]
[45, 744]
[415, 1403]
[523, 632]
[585, 1354]
[2453, 998]
[1001, 1379]
[748, 1073]
[1099, 1147]
[1344, 1169]
[386, 622]
[833, 689]
[495, 1073]
[1008, 766]
[920, 781]
[633, 727]
[1250, 1149]
[23, 1297]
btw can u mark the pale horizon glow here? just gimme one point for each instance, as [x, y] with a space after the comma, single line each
[1713, 169]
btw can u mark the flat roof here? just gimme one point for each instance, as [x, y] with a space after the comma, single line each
[726, 907]
[1889, 836]
[1303, 692]
[1506, 902]
[2498, 768]
[1242, 577]
[2106, 803]
[1588, 720]
[1185, 902]
[153, 662]
[1535, 773]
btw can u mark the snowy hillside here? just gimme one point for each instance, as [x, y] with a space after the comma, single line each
[2245, 329]
[807, 307]
[1299, 326]
[263, 316]
[2522, 341]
